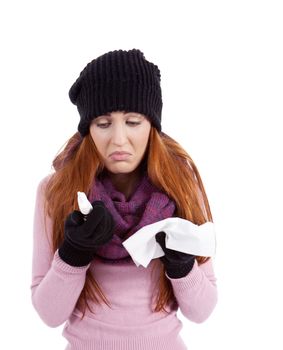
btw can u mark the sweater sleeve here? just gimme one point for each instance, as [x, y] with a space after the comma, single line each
[196, 293]
[55, 286]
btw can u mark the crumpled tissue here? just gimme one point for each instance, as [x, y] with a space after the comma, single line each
[181, 235]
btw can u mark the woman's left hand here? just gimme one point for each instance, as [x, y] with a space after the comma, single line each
[177, 264]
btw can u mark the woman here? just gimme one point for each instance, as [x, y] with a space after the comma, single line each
[134, 175]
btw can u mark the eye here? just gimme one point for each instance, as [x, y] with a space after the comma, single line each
[133, 123]
[105, 125]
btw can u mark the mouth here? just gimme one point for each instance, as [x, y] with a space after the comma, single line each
[119, 155]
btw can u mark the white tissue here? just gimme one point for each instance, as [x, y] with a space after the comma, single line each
[84, 204]
[181, 235]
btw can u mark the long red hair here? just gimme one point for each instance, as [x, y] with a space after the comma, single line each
[169, 168]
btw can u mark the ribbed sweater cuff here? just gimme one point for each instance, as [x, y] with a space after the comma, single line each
[62, 266]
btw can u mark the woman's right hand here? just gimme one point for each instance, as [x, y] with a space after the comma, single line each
[83, 237]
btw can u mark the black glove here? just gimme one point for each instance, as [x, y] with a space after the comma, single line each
[83, 237]
[177, 264]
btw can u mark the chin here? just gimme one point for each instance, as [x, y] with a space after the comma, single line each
[121, 169]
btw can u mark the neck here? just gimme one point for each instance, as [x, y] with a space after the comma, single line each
[125, 183]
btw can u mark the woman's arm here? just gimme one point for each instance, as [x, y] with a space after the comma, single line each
[196, 293]
[56, 286]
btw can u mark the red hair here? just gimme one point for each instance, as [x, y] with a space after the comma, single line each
[169, 167]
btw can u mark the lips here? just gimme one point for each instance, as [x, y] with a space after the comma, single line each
[119, 156]
[119, 153]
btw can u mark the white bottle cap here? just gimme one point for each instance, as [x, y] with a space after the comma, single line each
[84, 204]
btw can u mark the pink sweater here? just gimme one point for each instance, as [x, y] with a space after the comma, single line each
[130, 323]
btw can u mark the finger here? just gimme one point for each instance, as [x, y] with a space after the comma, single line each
[98, 211]
[160, 238]
[76, 218]
[99, 220]
[97, 203]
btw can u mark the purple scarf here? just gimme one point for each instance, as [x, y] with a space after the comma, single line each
[146, 205]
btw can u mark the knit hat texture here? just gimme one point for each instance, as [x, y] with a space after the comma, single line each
[119, 80]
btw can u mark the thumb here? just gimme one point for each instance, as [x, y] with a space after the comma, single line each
[76, 218]
[160, 238]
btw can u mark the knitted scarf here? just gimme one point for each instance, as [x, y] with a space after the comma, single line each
[146, 205]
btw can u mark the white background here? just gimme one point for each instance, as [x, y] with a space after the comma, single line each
[222, 83]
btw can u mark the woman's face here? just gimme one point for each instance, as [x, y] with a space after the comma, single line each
[121, 132]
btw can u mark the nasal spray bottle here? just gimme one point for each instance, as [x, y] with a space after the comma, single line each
[84, 204]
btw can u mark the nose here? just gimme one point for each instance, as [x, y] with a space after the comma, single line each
[119, 134]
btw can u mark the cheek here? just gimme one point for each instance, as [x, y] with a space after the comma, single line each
[98, 141]
[92, 133]
[142, 141]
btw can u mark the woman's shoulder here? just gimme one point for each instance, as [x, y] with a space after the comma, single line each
[43, 182]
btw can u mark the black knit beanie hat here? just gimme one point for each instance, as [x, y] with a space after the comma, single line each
[118, 81]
